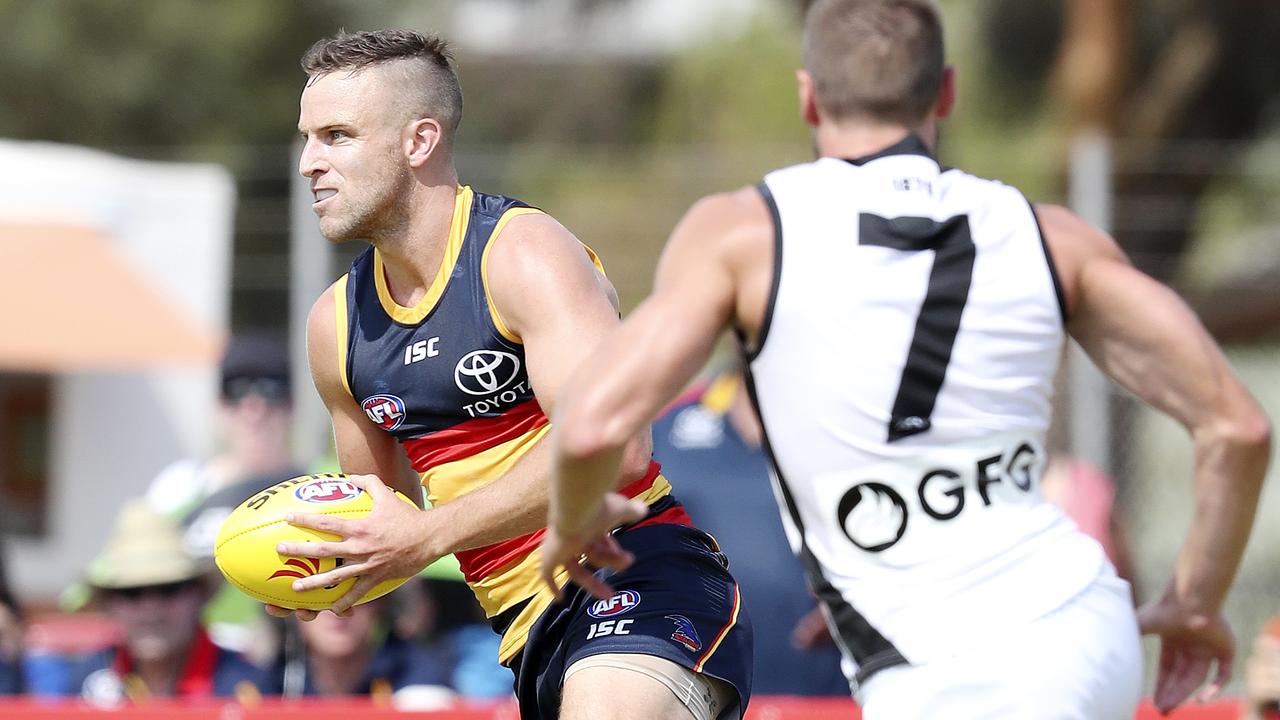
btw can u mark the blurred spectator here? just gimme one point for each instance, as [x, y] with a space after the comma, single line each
[255, 414]
[11, 628]
[362, 654]
[443, 615]
[1262, 675]
[256, 405]
[709, 444]
[154, 590]
[1087, 495]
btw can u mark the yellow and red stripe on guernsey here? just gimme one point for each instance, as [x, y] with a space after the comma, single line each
[469, 455]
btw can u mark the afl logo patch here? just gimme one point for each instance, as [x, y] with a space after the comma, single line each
[326, 491]
[386, 411]
[484, 372]
[620, 603]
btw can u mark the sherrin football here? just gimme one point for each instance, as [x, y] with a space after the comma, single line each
[245, 550]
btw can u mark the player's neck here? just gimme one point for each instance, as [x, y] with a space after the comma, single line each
[412, 252]
[854, 139]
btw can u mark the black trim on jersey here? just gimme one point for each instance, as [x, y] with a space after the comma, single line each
[1053, 267]
[912, 144]
[857, 637]
[772, 204]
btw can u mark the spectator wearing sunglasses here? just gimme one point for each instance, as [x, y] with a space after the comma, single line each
[153, 591]
[255, 413]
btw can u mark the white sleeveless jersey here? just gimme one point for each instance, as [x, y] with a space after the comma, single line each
[903, 377]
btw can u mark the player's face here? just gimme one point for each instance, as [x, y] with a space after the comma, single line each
[354, 155]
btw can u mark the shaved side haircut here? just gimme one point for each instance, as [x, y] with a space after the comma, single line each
[425, 60]
[875, 59]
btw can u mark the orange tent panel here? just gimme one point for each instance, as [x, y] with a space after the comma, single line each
[69, 302]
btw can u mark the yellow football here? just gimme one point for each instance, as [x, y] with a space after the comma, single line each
[245, 550]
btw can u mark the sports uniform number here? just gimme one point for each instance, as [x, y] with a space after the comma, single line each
[939, 319]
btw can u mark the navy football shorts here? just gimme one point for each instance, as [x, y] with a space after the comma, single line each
[676, 601]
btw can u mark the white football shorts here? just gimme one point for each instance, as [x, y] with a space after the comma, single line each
[1081, 662]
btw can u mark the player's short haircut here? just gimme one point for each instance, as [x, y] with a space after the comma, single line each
[880, 60]
[428, 65]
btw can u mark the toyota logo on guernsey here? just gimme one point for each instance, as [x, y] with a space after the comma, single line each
[326, 491]
[386, 411]
[620, 602]
[484, 372]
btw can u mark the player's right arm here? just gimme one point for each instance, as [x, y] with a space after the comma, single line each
[364, 450]
[1142, 335]
[362, 447]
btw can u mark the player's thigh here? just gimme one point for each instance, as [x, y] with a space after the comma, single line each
[614, 693]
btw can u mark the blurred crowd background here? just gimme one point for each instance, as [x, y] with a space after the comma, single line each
[1158, 119]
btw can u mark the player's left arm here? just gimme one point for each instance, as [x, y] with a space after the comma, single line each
[549, 294]
[640, 368]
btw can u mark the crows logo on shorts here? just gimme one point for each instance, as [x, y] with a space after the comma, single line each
[685, 633]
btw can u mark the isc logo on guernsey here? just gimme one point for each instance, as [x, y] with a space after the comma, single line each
[386, 411]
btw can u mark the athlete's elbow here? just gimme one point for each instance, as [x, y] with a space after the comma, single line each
[1246, 434]
[1255, 434]
[580, 437]
[636, 459]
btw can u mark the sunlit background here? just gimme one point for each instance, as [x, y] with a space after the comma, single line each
[146, 210]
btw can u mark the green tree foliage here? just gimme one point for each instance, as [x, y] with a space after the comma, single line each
[156, 77]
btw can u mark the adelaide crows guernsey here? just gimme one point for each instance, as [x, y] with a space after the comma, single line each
[447, 378]
[903, 376]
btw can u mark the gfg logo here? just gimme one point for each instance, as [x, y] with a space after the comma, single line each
[620, 602]
[874, 515]
[484, 372]
[326, 491]
[386, 411]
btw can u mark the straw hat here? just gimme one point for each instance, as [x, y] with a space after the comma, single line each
[145, 548]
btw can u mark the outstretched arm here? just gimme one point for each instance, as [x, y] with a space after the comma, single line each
[1142, 335]
[643, 365]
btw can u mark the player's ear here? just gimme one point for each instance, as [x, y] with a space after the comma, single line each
[425, 136]
[808, 98]
[947, 93]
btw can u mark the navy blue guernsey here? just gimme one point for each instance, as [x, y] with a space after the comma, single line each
[422, 370]
[448, 379]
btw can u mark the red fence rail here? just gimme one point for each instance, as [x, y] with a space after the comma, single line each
[764, 708]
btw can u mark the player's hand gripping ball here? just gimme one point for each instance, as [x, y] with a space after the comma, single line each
[245, 550]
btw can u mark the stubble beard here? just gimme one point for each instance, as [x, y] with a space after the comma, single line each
[378, 216]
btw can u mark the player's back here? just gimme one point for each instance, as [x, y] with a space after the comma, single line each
[904, 380]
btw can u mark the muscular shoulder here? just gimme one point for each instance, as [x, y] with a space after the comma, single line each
[731, 222]
[322, 342]
[725, 241]
[532, 242]
[1074, 244]
[535, 262]
[322, 320]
